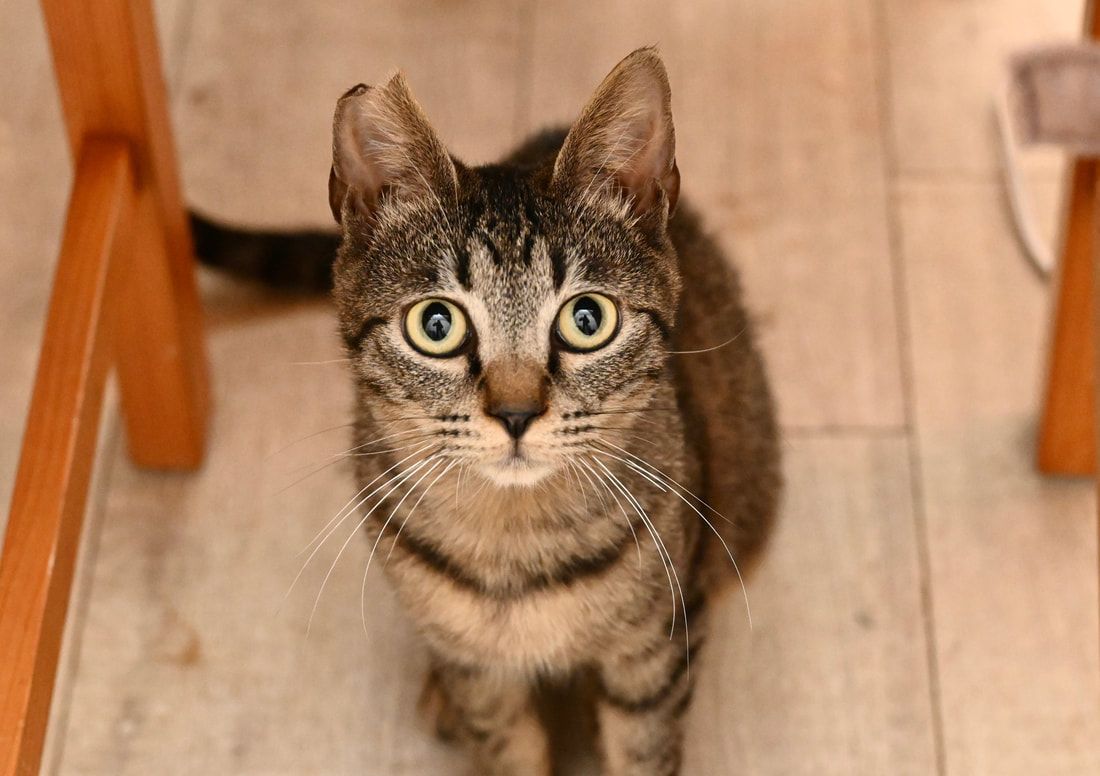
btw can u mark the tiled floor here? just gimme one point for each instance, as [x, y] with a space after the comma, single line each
[929, 605]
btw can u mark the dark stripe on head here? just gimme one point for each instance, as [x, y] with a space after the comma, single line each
[528, 247]
[553, 363]
[462, 266]
[473, 364]
[494, 252]
[557, 266]
[354, 342]
[662, 326]
[532, 214]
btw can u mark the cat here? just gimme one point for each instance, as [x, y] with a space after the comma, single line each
[568, 432]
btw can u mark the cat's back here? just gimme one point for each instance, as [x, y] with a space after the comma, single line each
[723, 393]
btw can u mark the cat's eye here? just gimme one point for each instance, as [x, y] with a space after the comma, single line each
[436, 327]
[587, 322]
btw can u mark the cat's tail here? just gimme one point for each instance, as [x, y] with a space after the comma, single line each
[298, 260]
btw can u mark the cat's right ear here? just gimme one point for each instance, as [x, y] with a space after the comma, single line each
[383, 147]
[624, 143]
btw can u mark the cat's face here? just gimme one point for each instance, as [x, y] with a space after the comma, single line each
[506, 315]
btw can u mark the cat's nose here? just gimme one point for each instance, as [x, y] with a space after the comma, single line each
[515, 419]
[515, 394]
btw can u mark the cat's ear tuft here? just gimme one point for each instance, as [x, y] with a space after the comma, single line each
[383, 146]
[624, 141]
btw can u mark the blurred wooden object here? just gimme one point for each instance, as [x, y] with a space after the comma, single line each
[58, 448]
[1067, 435]
[124, 296]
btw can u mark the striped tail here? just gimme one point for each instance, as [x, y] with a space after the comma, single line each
[298, 261]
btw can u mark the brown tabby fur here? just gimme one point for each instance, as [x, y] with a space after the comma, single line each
[544, 555]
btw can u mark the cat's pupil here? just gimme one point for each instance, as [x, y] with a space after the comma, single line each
[587, 316]
[436, 321]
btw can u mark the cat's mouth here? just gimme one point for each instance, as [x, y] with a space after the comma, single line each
[516, 467]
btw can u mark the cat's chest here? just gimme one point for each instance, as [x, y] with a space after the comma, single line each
[527, 631]
[524, 600]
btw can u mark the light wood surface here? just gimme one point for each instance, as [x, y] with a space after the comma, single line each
[946, 62]
[44, 526]
[833, 677]
[844, 152]
[1011, 555]
[108, 70]
[269, 117]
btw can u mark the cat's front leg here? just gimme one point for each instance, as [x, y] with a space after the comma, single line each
[495, 716]
[646, 690]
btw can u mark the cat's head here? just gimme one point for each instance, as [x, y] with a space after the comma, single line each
[508, 315]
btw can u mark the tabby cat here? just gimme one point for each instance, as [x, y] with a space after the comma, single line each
[563, 466]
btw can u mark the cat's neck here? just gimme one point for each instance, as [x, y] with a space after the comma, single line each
[475, 516]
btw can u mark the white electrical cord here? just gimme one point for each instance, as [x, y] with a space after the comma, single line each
[1023, 210]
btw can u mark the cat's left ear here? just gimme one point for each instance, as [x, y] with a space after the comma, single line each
[383, 147]
[624, 141]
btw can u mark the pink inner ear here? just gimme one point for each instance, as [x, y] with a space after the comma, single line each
[649, 170]
[364, 171]
[624, 136]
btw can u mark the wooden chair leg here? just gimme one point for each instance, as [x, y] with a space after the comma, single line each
[124, 292]
[47, 509]
[1067, 442]
[109, 77]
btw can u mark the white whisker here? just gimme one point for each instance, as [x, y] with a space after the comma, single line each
[352, 500]
[737, 569]
[289, 445]
[629, 523]
[656, 535]
[571, 472]
[424, 493]
[731, 340]
[401, 478]
[318, 363]
[335, 522]
[381, 532]
[666, 478]
[376, 440]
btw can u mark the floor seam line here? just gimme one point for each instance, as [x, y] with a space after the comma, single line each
[907, 365]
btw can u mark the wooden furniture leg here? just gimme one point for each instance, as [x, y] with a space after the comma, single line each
[58, 450]
[108, 74]
[1067, 443]
[124, 295]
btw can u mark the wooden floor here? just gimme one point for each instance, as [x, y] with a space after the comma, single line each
[929, 605]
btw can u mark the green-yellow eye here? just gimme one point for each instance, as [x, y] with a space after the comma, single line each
[436, 327]
[587, 322]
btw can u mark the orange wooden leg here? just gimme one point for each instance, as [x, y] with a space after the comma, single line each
[108, 72]
[1067, 443]
[1067, 439]
[124, 292]
[47, 508]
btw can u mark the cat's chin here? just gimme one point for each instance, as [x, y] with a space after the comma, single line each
[514, 472]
